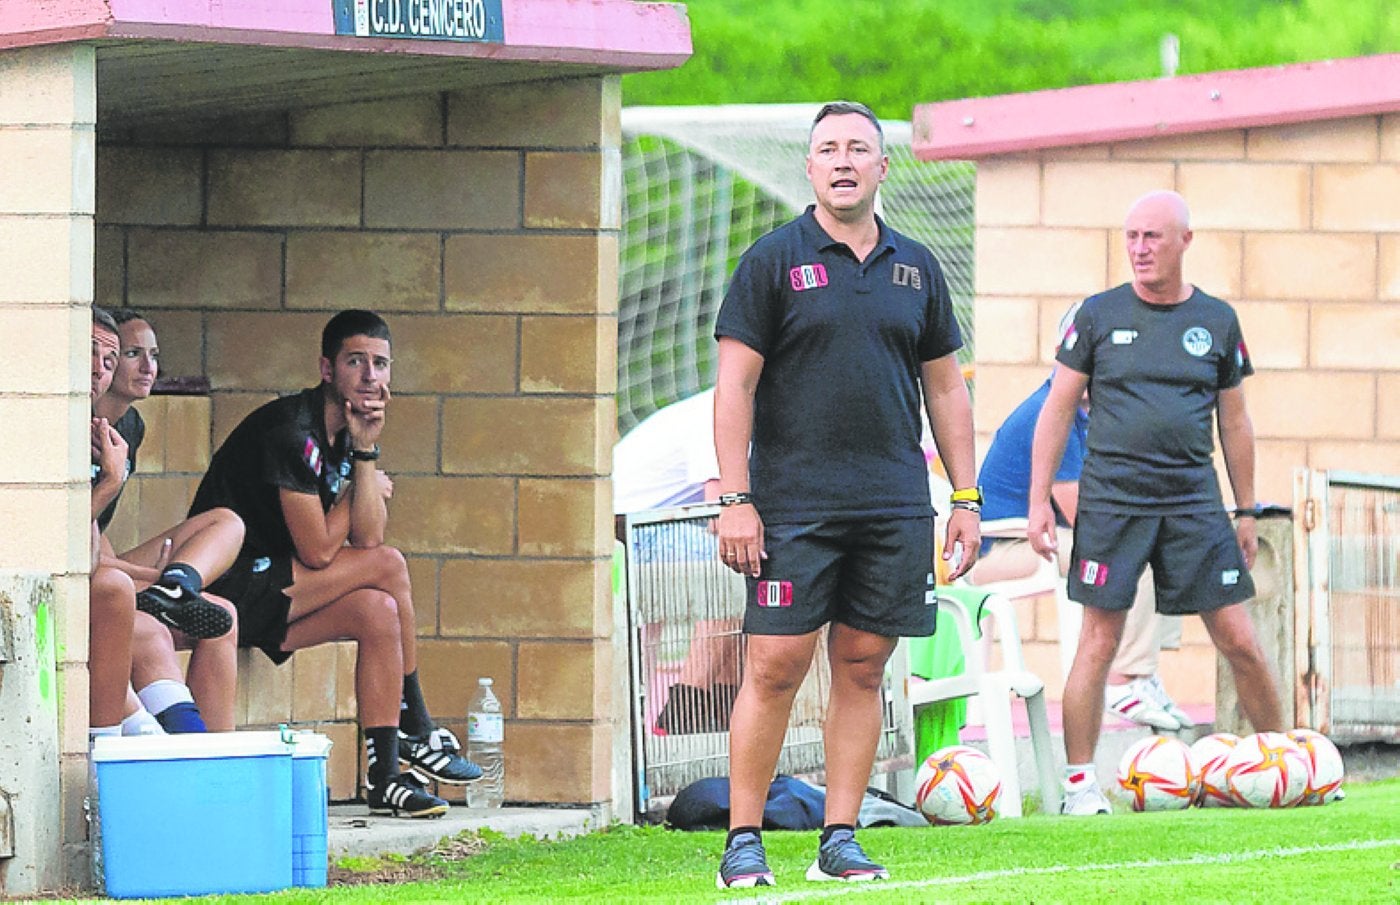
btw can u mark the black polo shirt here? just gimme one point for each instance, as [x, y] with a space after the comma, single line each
[1155, 376]
[133, 430]
[281, 444]
[836, 413]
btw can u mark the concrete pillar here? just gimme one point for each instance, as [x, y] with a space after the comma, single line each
[48, 113]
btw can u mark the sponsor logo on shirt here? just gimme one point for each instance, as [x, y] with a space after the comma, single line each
[1094, 574]
[311, 455]
[1230, 578]
[907, 275]
[1124, 337]
[1070, 338]
[1196, 341]
[807, 276]
[774, 593]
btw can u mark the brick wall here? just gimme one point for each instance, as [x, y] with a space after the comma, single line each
[484, 227]
[1297, 226]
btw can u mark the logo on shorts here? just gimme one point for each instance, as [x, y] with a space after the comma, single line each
[1230, 577]
[807, 276]
[1196, 341]
[930, 595]
[774, 593]
[1094, 574]
[262, 564]
[311, 455]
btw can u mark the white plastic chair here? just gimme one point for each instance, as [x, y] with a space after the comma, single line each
[1044, 579]
[992, 690]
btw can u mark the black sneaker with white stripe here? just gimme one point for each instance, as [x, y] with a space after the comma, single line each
[436, 755]
[177, 608]
[403, 796]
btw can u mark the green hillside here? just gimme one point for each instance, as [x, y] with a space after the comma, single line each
[895, 53]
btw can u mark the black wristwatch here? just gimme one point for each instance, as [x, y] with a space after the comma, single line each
[363, 455]
[738, 498]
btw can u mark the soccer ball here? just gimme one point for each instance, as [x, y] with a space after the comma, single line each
[1267, 770]
[1325, 769]
[958, 785]
[1157, 772]
[1209, 754]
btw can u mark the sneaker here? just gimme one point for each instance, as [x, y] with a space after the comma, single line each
[1136, 703]
[744, 864]
[177, 608]
[842, 858]
[404, 796]
[437, 756]
[1164, 700]
[1085, 801]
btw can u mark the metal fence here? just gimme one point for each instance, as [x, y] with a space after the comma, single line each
[685, 611]
[1352, 604]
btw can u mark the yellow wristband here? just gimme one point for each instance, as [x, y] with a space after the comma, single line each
[970, 494]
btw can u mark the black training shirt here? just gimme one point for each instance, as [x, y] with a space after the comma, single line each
[281, 444]
[836, 414]
[133, 430]
[1155, 374]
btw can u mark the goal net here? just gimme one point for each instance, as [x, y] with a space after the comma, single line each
[700, 185]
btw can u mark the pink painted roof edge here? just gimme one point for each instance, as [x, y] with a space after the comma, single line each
[1122, 111]
[620, 33]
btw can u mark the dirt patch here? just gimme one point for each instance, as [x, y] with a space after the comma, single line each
[423, 867]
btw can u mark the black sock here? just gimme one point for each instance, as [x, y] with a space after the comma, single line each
[382, 745]
[413, 712]
[184, 575]
[833, 827]
[739, 830]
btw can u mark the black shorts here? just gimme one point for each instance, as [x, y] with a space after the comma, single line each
[875, 575]
[255, 584]
[1196, 561]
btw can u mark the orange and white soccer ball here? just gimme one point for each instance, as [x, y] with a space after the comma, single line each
[1158, 775]
[1325, 769]
[1209, 753]
[1267, 770]
[958, 785]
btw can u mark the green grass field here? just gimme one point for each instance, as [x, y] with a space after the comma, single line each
[1348, 851]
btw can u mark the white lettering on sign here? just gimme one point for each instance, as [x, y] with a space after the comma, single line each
[459, 19]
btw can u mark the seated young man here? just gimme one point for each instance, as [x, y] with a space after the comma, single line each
[301, 472]
[170, 569]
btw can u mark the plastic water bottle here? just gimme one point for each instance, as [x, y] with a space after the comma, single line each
[485, 733]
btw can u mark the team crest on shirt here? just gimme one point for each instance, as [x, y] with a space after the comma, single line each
[807, 276]
[1196, 341]
[311, 455]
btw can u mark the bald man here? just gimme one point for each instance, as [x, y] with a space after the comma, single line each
[1165, 361]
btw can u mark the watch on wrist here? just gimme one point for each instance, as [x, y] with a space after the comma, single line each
[363, 455]
[737, 498]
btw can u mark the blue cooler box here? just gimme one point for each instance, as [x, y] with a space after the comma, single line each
[309, 815]
[195, 814]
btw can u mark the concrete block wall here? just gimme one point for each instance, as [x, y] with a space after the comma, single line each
[48, 112]
[483, 225]
[1296, 226]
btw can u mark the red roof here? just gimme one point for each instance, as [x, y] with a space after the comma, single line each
[987, 126]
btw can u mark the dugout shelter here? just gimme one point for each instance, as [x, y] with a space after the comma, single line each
[239, 168]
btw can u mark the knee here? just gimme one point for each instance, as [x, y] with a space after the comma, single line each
[228, 520]
[773, 678]
[390, 563]
[111, 593]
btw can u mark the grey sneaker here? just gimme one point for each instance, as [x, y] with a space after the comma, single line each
[1085, 802]
[1164, 700]
[744, 864]
[842, 858]
[1136, 702]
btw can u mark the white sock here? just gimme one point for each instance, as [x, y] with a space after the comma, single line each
[141, 723]
[97, 731]
[1077, 776]
[162, 694]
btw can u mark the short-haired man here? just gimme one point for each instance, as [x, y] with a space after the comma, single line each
[1165, 361]
[302, 473]
[833, 330]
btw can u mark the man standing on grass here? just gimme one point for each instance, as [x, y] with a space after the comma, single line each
[833, 331]
[1162, 361]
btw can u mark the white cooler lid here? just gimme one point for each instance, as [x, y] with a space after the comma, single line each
[189, 745]
[310, 744]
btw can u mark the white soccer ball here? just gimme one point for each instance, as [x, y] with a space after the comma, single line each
[1158, 775]
[1267, 770]
[958, 785]
[1209, 754]
[1325, 769]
